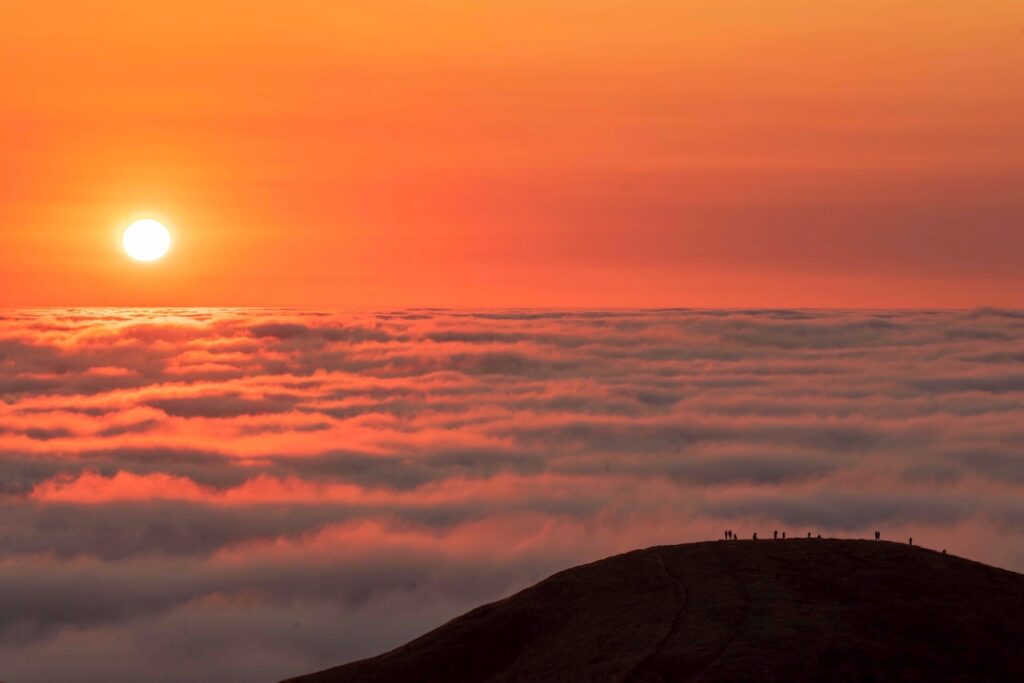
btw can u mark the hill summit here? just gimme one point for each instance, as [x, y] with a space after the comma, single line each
[725, 611]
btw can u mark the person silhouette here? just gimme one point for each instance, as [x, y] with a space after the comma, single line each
[775, 534]
[783, 534]
[755, 535]
[878, 535]
[943, 551]
[911, 541]
[808, 534]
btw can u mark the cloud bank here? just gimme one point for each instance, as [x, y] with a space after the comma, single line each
[242, 495]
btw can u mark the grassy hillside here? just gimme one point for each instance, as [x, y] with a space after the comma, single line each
[786, 610]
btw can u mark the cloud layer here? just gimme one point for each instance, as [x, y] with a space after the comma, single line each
[241, 495]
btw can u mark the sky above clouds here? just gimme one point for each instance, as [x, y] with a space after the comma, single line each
[851, 153]
[245, 495]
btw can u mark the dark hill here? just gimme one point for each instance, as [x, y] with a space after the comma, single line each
[787, 610]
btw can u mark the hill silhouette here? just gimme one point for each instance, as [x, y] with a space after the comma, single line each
[786, 610]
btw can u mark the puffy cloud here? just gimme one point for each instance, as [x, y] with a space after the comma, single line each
[223, 405]
[245, 491]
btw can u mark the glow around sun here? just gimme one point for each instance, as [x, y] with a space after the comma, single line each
[146, 240]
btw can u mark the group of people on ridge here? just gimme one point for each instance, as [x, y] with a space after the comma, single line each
[730, 535]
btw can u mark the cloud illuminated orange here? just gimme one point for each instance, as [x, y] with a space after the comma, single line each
[310, 472]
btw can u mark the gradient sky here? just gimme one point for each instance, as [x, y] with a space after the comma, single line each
[564, 152]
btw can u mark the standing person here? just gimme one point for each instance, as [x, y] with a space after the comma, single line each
[755, 535]
[775, 534]
[911, 541]
[878, 535]
[783, 534]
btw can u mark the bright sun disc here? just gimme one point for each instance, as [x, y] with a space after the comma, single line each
[146, 240]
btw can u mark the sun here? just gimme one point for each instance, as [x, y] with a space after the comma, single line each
[146, 240]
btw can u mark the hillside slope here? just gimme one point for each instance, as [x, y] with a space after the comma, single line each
[787, 610]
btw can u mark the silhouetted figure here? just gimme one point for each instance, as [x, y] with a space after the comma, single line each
[808, 534]
[819, 535]
[755, 535]
[911, 541]
[776, 534]
[783, 534]
[943, 551]
[878, 535]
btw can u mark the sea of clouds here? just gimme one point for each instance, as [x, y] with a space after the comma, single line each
[244, 495]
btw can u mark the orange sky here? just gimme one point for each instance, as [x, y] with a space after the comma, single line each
[556, 152]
